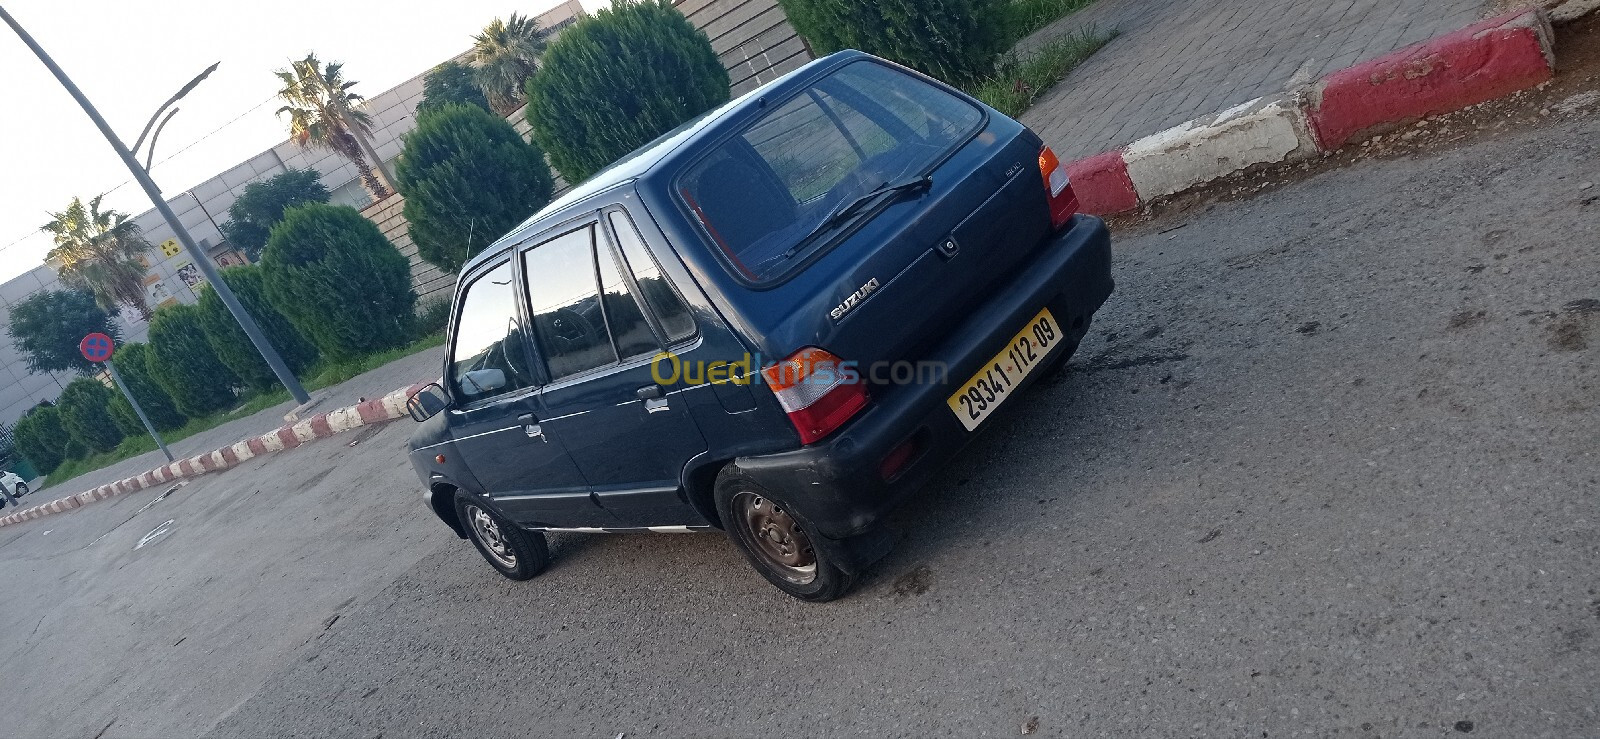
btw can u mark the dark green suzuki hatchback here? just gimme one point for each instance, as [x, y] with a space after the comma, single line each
[777, 320]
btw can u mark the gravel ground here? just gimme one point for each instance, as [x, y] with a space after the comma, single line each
[1326, 466]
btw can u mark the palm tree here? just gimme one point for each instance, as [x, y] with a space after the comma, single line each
[507, 54]
[324, 112]
[99, 250]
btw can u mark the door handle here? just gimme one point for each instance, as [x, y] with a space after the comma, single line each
[530, 426]
[655, 401]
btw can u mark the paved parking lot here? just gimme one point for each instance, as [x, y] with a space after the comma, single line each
[1325, 467]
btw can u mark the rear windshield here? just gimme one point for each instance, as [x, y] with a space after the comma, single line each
[761, 194]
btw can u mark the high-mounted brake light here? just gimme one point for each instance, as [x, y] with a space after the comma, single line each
[819, 391]
[1058, 186]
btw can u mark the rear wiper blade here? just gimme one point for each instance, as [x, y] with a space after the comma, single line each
[848, 209]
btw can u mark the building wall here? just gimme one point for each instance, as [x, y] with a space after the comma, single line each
[430, 283]
[753, 38]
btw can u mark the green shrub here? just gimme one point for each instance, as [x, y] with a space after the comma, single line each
[229, 341]
[954, 40]
[434, 317]
[261, 206]
[339, 281]
[47, 326]
[447, 84]
[183, 363]
[85, 407]
[468, 178]
[618, 79]
[40, 439]
[133, 363]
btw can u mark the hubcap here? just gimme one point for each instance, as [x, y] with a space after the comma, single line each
[488, 534]
[780, 541]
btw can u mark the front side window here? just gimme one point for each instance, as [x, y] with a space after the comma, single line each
[487, 357]
[761, 196]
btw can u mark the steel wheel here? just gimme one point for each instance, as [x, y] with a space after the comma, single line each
[21, 490]
[778, 538]
[488, 533]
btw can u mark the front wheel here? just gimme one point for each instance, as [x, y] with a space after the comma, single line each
[22, 489]
[515, 552]
[773, 537]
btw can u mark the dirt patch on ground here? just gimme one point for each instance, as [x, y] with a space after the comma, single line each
[1569, 335]
[1574, 93]
[1467, 319]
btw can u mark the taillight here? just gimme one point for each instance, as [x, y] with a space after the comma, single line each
[819, 391]
[1063, 201]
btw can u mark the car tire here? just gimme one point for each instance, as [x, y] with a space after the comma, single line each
[772, 535]
[513, 551]
[22, 489]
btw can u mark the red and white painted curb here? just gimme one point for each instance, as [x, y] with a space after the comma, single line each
[1476, 64]
[289, 436]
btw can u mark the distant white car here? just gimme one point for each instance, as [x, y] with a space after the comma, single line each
[13, 484]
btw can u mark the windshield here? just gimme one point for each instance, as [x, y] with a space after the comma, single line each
[761, 195]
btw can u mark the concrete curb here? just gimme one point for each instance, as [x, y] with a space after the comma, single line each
[337, 421]
[1481, 62]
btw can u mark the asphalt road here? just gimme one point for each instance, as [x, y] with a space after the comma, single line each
[1326, 466]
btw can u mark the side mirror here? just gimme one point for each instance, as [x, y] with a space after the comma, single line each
[427, 402]
[483, 381]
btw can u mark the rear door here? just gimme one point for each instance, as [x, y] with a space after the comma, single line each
[493, 418]
[938, 246]
[629, 435]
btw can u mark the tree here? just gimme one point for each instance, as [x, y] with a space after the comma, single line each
[261, 206]
[507, 53]
[468, 178]
[85, 408]
[451, 82]
[339, 281]
[99, 251]
[46, 328]
[40, 439]
[231, 344]
[618, 79]
[133, 363]
[184, 365]
[324, 112]
[954, 40]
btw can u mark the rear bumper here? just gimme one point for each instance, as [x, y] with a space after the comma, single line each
[838, 481]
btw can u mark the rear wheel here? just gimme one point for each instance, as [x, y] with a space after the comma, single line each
[773, 536]
[22, 489]
[515, 552]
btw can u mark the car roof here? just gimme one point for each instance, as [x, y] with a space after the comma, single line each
[642, 161]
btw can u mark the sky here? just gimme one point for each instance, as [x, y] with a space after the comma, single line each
[129, 56]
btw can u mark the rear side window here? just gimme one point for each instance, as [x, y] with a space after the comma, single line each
[488, 337]
[566, 304]
[657, 292]
[585, 313]
[761, 194]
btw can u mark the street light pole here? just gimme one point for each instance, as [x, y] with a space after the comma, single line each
[204, 262]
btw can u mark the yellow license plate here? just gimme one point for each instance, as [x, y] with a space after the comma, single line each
[997, 381]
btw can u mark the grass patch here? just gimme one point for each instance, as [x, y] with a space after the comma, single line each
[1018, 81]
[1022, 17]
[321, 375]
[326, 373]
